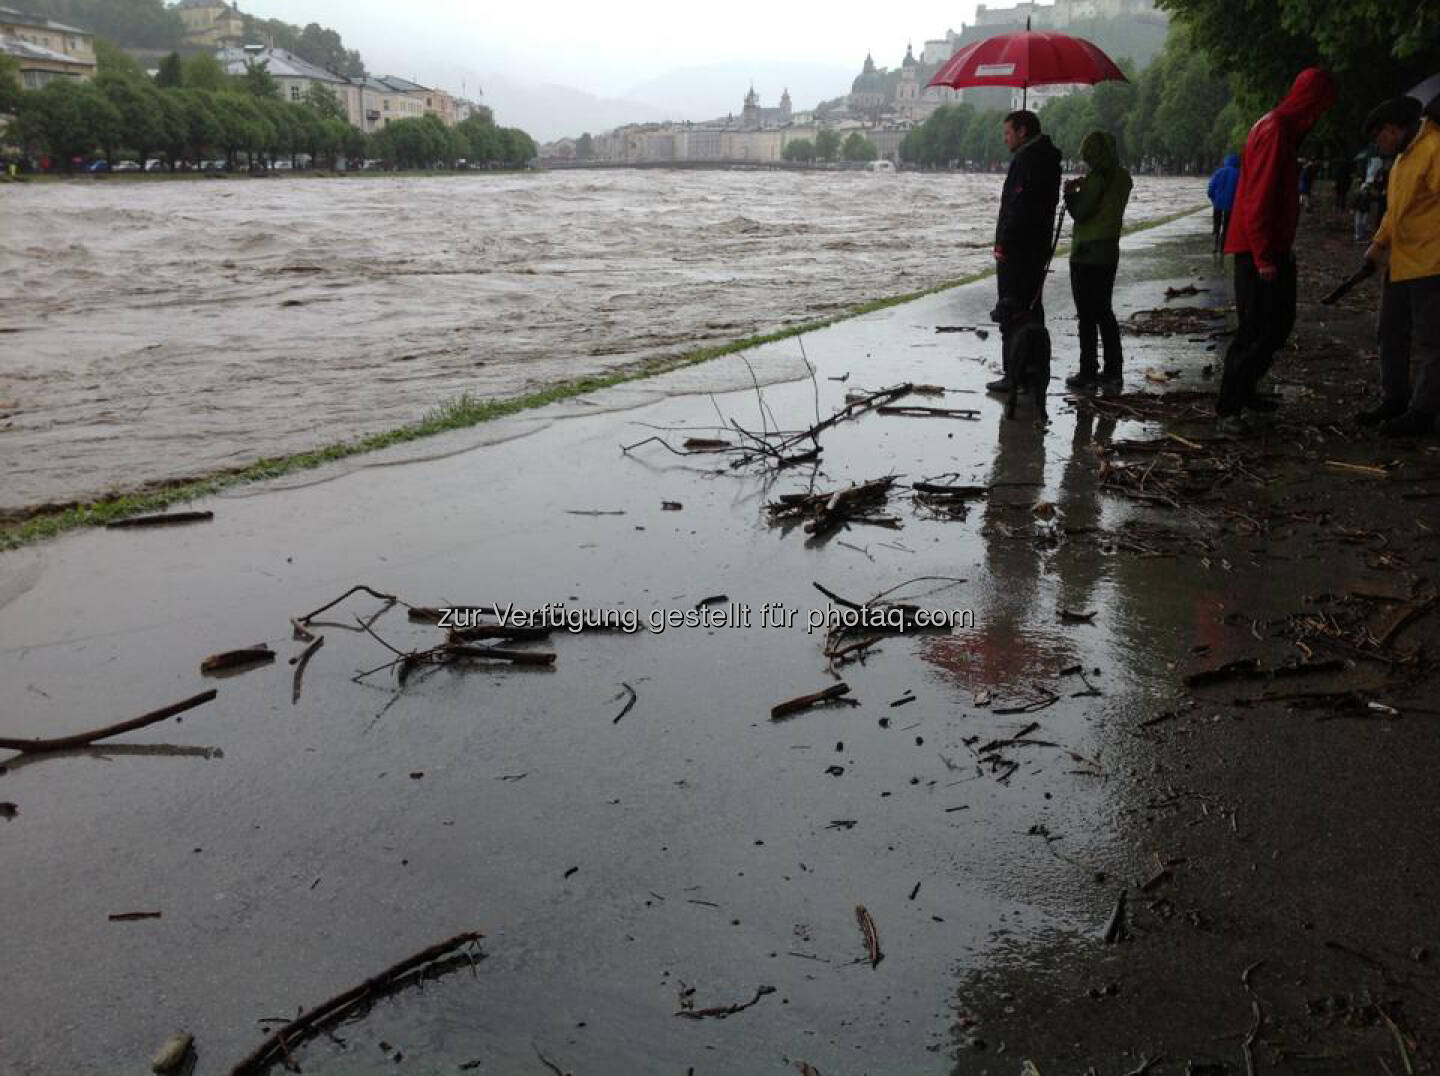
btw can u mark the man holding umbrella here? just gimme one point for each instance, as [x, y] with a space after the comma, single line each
[1022, 231]
[1023, 238]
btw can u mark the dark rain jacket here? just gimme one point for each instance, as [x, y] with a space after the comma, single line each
[1223, 183]
[1267, 201]
[1028, 200]
[1098, 204]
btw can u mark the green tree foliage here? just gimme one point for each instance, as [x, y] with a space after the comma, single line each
[958, 136]
[205, 72]
[801, 150]
[203, 129]
[859, 148]
[1190, 103]
[66, 120]
[827, 144]
[9, 83]
[324, 102]
[483, 143]
[111, 59]
[171, 75]
[1376, 48]
[143, 119]
[257, 80]
[411, 143]
[132, 24]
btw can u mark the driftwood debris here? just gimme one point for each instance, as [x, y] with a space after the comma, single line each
[940, 489]
[498, 631]
[65, 743]
[1115, 926]
[164, 519]
[1251, 669]
[629, 702]
[260, 654]
[871, 935]
[131, 917]
[300, 662]
[804, 702]
[279, 1042]
[390, 598]
[930, 412]
[720, 1012]
[825, 512]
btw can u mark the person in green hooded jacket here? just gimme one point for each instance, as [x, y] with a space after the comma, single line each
[1097, 201]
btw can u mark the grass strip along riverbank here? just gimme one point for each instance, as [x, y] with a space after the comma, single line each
[47, 521]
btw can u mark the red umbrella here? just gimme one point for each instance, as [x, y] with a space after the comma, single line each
[1027, 58]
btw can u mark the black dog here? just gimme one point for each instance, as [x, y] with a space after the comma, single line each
[1027, 357]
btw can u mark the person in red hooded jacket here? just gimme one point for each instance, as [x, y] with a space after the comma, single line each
[1262, 237]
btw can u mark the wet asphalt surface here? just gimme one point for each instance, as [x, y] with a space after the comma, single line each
[294, 849]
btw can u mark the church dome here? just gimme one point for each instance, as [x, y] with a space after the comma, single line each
[869, 80]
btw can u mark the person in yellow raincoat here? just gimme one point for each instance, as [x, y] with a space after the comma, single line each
[1409, 239]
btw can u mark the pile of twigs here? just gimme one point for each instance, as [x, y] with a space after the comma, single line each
[1172, 321]
[825, 512]
[1172, 471]
[778, 448]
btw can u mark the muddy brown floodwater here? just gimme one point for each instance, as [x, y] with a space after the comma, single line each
[163, 330]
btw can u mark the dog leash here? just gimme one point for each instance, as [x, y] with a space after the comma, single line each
[1054, 246]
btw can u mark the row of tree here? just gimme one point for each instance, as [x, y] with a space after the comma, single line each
[194, 111]
[828, 146]
[424, 141]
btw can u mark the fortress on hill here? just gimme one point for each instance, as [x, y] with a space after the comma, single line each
[883, 103]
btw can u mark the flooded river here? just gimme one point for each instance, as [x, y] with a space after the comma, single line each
[162, 330]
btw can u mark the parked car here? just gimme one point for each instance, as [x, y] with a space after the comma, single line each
[127, 166]
[154, 164]
[98, 166]
[280, 166]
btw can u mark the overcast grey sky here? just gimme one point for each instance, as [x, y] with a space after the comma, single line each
[606, 49]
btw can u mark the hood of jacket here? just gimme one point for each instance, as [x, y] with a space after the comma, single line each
[1099, 152]
[1309, 98]
[1232, 161]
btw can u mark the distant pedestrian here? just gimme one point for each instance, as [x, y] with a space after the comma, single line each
[1222, 198]
[1097, 202]
[1023, 228]
[1262, 238]
[1307, 182]
[1409, 239]
[1344, 174]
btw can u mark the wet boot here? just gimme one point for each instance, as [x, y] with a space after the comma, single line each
[1410, 424]
[1377, 415]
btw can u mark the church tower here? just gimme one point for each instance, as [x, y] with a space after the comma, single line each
[908, 90]
[785, 109]
[750, 114]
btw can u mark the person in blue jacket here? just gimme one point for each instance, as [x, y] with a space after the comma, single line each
[1222, 197]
